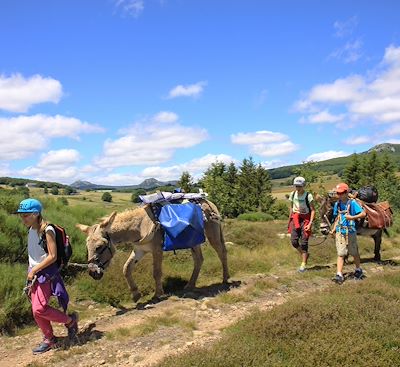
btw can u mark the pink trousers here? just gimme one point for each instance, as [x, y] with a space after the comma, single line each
[42, 312]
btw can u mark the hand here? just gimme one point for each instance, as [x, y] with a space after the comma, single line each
[349, 217]
[307, 227]
[31, 275]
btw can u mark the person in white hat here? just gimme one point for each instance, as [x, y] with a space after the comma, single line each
[302, 213]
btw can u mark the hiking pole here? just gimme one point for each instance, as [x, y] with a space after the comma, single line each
[28, 287]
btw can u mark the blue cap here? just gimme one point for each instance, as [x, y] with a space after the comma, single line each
[30, 206]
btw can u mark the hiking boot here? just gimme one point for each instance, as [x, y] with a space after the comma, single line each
[72, 327]
[338, 279]
[358, 274]
[45, 346]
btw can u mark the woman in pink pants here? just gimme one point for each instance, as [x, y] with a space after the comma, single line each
[44, 276]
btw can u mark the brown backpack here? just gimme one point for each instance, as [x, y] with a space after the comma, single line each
[379, 215]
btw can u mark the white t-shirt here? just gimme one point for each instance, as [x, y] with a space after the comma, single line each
[299, 202]
[36, 252]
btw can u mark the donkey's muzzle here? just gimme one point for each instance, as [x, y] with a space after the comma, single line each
[95, 271]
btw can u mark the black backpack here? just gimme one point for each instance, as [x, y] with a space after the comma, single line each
[64, 248]
[369, 194]
[307, 202]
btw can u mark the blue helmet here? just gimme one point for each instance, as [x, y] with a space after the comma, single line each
[30, 206]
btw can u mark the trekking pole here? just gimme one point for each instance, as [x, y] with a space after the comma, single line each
[28, 287]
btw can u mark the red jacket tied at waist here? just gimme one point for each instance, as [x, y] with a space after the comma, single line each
[299, 221]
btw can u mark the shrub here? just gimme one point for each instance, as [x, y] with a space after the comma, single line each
[107, 197]
[256, 217]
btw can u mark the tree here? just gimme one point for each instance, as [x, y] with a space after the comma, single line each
[45, 190]
[107, 197]
[186, 182]
[54, 190]
[135, 195]
[371, 167]
[352, 172]
[69, 190]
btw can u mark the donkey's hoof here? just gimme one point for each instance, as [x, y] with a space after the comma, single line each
[136, 296]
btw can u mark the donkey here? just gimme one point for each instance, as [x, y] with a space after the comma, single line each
[139, 228]
[326, 213]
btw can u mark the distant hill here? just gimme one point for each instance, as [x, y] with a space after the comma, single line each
[147, 184]
[336, 165]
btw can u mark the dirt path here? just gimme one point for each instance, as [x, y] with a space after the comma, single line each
[198, 318]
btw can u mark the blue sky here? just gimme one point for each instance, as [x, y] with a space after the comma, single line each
[116, 91]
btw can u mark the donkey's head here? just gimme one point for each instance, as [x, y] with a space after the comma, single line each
[99, 247]
[326, 212]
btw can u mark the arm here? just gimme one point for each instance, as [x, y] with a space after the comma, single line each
[51, 256]
[312, 216]
[360, 212]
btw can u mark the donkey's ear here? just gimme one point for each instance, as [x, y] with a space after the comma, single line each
[83, 228]
[106, 222]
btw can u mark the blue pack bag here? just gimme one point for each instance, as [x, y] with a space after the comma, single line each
[183, 226]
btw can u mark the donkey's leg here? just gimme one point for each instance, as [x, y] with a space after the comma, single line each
[133, 259]
[215, 236]
[197, 262]
[377, 236]
[157, 270]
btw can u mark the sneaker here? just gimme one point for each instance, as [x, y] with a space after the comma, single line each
[302, 268]
[45, 346]
[338, 279]
[358, 274]
[72, 327]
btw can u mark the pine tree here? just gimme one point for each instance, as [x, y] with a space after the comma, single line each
[352, 172]
[186, 182]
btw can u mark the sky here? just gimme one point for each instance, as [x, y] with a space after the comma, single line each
[117, 91]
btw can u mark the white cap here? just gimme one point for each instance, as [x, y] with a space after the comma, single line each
[299, 181]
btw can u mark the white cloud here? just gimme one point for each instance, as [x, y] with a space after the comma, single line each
[265, 143]
[356, 140]
[324, 117]
[350, 52]
[55, 165]
[272, 164]
[345, 28]
[23, 135]
[166, 116]
[5, 169]
[326, 155]
[150, 141]
[374, 97]
[274, 150]
[258, 137]
[18, 94]
[192, 90]
[131, 8]
[394, 130]
[59, 158]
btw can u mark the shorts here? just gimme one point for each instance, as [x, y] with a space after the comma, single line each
[343, 248]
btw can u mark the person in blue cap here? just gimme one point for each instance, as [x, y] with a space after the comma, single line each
[44, 276]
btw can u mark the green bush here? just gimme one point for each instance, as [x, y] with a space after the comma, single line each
[15, 310]
[107, 197]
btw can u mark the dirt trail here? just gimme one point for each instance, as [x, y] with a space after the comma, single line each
[199, 307]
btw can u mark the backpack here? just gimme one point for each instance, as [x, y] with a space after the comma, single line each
[307, 202]
[64, 248]
[368, 194]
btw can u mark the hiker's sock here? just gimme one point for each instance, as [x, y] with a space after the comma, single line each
[339, 273]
